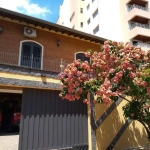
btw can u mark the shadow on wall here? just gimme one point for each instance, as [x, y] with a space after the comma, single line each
[133, 136]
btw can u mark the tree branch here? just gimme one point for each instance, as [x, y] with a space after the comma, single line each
[124, 98]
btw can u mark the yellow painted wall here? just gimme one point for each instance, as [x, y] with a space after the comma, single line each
[134, 135]
[28, 77]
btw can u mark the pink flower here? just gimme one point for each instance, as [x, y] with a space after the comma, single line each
[88, 103]
[132, 75]
[111, 70]
[132, 114]
[85, 101]
[148, 90]
[144, 84]
[119, 74]
[87, 54]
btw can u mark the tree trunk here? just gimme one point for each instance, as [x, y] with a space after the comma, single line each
[147, 130]
[93, 124]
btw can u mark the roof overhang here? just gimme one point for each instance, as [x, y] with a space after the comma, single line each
[138, 2]
[142, 38]
[140, 19]
[4, 13]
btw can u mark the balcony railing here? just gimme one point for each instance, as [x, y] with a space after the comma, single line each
[140, 44]
[130, 7]
[135, 24]
[33, 62]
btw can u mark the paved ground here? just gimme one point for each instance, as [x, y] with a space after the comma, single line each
[9, 141]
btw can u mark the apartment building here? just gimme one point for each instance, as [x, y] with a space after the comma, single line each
[31, 53]
[120, 20]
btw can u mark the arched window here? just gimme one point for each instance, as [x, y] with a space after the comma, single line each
[31, 55]
[81, 56]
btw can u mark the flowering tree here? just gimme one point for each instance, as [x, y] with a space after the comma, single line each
[117, 71]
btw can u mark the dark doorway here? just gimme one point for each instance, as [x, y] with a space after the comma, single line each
[10, 112]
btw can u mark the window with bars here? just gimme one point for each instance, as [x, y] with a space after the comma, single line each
[31, 55]
[82, 57]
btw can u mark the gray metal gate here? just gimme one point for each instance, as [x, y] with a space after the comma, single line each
[48, 122]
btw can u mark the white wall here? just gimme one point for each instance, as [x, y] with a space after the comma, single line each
[110, 25]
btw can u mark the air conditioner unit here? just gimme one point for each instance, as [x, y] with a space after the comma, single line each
[29, 32]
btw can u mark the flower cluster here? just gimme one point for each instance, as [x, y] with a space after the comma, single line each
[117, 69]
[73, 79]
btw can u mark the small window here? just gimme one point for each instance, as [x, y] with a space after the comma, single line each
[89, 21]
[82, 57]
[93, 1]
[81, 24]
[95, 13]
[72, 16]
[96, 30]
[88, 6]
[81, 10]
[31, 55]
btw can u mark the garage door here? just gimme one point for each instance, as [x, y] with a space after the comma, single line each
[48, 122]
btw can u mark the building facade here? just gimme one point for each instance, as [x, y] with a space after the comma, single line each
[126, 20]
[31, 54]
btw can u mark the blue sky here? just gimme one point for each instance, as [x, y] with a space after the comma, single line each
[43, 9]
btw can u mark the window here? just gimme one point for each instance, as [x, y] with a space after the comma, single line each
[96, 30]
[81, 24]
[88, 6]
[89, 21]
[95, 13]
[135, 43]
[71, 17]
[93, 1]
[82, 57]
[31, 55]
[81, 10]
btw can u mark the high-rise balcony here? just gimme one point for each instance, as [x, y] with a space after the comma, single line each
[137, 11]
[140, 33]
[135, 24]
[137, 2]
[130, 7]
[144, 46]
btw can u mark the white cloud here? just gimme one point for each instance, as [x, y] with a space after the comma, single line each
[25, 7]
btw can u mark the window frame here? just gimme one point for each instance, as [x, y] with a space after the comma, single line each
[95, 13]
[81, 10]
[20, 50]
[72, 16]
[80, 52]
[81, 24]
[88, 7]
[96, 29]
[88, 21]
